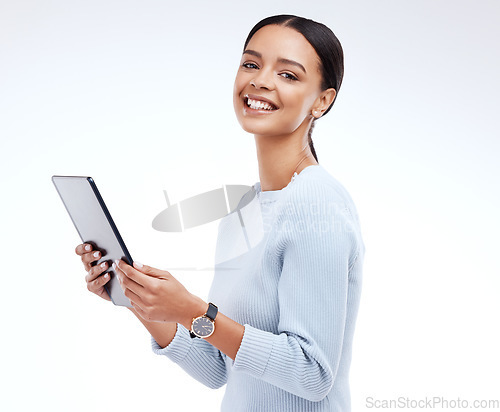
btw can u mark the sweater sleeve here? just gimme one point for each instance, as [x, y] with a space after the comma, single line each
[318, 244]
[197, 357]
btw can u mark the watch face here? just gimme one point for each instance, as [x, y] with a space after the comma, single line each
[203, 327]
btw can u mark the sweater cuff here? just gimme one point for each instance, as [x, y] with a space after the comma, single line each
[178, 348]
[254, 352]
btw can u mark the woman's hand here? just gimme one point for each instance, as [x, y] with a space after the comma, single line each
[157, 296]
[95, 280]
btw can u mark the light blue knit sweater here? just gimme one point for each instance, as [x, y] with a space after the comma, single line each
[289, 268]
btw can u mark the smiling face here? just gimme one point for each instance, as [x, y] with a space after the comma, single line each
[278, 83]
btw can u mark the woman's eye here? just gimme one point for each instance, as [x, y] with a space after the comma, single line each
[250, 66]
[288, 76]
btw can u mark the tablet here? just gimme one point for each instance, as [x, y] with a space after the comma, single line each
[95, 225]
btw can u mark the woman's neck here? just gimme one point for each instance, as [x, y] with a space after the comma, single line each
[279, 157]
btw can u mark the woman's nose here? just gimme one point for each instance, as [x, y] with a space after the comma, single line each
[263, 79]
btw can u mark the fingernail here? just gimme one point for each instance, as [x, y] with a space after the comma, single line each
[96, 254]
[103, 265]
[106, 276]
[114, 265]
[138, 265]
[87, 248]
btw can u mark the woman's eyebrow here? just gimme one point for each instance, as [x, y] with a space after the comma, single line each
[293, 63]
[280, 59]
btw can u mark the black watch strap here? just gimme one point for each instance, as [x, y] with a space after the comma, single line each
[212, 311]
[211, 314]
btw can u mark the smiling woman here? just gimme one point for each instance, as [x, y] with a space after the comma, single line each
[327, 54]
[279, 326]
[301, 68]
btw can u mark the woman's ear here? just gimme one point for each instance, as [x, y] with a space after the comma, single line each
[323, 102]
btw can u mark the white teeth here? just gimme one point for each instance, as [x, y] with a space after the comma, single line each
[258, 105]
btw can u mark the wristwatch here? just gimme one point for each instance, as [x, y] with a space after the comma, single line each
[204, 326]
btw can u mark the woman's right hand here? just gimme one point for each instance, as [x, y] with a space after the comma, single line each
[95, 279]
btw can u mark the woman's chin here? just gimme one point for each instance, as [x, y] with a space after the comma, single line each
[256, 130]
[254, 126]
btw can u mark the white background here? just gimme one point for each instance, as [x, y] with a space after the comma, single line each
[139, 96]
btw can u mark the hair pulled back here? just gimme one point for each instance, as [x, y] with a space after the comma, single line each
[326, 45]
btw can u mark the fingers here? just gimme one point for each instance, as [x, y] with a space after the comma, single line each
[131, 289]
[98, 283]
[96, 271]
[88, 255]
[95, 284]
[95, 279]
[83, 248]
[150, 271]
[129, 277]
[89, 258]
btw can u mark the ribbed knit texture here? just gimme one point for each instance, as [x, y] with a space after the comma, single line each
[293, 279]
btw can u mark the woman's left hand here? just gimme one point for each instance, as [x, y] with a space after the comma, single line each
[156, 295]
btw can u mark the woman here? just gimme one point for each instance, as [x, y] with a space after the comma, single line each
[279, 326]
